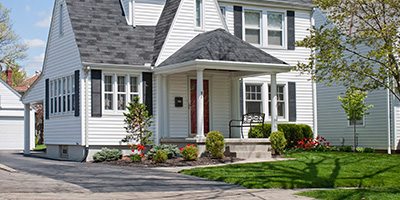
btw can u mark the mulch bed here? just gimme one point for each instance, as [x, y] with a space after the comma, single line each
[175, 162]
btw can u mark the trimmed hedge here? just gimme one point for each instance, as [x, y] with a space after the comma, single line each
[293, 132]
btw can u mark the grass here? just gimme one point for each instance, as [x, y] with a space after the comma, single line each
[387, 193]
[40, 147]
[311, 170]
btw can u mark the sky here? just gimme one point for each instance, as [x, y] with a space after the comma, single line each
[31, 21]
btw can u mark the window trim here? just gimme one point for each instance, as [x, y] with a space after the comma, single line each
[201, 17]
[251, 100]
[59, 92]
[284, 30]
[260, 25]
[285, 100]
[61, 19]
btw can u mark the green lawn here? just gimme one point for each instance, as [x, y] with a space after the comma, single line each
[386, 193]
[311, 170]
[40, 147]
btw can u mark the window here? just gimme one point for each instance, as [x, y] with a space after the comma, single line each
[252, 26]
[117, 90]
[280, 93]
[275, 29]
[62, 94]
[223, 12]
[61, 19]
[199, 13]
[253, 99]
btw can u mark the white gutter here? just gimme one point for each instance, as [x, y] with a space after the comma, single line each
[389, 150]
[314, 90]
[118, 67]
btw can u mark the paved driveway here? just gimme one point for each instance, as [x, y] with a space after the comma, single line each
[48, 179]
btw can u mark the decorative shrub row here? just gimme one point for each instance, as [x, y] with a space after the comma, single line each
[107, 155]
[293, 132]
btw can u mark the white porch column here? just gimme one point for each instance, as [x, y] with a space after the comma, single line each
[274, 106]
[27, 127]
[235, 104]
[165, 106]
[158, 109]
[200, 105]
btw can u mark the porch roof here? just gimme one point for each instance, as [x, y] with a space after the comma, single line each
[219, 49]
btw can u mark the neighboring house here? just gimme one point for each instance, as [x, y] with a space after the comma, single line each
[24, 86]
[11, 119]
[189, 61]
[378, 129]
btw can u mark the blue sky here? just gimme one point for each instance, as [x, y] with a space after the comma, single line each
[31, 20]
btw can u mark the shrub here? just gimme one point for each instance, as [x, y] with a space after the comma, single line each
[369, 150]
[160, 157]
[107, 155]
[190, 152]
[294, 133]
[215, 144]
[360, 150]
[346, 149]
[171, 149]
[137, 152]
[278, 141]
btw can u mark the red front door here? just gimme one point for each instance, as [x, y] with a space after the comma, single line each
[193, 106]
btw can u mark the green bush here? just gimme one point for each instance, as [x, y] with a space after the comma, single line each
[190, 152]
[369, 150]
[294, 133]
[346, 149]
[160, 157]
[278, 141]
[172, 151]
[360, 150]
[215, 144]
[107, 155]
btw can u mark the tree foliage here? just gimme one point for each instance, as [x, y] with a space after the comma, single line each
[19, 75]
[137, 122]
[358, 46]
[10, 47]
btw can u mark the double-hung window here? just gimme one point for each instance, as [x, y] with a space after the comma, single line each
[275, 29]
[280, 93]
[119, 90]
[108, 92]
[62, 95]
[253, 99]
[252, 27]
[134, 87]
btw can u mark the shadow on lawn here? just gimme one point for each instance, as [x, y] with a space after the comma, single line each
[308, 172]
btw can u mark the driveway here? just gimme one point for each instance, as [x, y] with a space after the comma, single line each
[48, 179]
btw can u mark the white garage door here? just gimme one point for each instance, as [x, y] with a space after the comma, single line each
[11, 133]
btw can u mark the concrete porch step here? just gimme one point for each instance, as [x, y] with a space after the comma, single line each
[253, 154]
[248, 147]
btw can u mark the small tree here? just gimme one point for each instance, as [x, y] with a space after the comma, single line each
[355, 107]
[138, 121]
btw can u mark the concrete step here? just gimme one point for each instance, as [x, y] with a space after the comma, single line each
[253, 154]
[248, 147]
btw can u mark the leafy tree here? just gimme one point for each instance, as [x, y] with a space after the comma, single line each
[358, 46]
[137, 122]
[19, 75]
[355, 107]
[10, 48]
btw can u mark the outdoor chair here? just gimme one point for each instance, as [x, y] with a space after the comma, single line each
[248, 120]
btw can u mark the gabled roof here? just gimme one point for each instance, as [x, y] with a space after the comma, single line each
[219, 45]
[103, 36]
[10, 88]
[24, 86]
[164, 25]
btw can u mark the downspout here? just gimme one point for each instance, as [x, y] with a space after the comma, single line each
[86, 70]
[389, 102]
[314, 89]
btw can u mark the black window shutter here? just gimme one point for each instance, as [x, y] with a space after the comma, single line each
[290, 32]
[238, 21]
[148, 91]
[292, 101]
[77, 81]
[96, 93]
[47, 99]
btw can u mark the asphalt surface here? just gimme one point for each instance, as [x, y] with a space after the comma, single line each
[38, 178]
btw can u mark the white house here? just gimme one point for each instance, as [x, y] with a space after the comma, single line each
[12, 119]
[219, 58]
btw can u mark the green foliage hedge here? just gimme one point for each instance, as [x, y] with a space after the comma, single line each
[293, 132]
[171, 149]
[215, 144]
[107, 155]
[190, 152]
[278, 141]
[160, 156]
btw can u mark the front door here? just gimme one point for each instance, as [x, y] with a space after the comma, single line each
[193, 106]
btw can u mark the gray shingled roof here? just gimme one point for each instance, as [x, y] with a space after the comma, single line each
[219, 45]
[164, 24]
[103, 35]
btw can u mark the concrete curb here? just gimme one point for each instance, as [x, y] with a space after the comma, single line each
[8, 169]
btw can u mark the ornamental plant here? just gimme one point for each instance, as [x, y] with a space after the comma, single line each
[215, 144]
[317, 144]
[160, 156]
[171, 149]
[137, 121]
[107, 155]
[278, 141]
[137, 151]
[190, 152]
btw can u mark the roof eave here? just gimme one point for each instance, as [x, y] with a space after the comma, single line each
[199, 64]
[116, 67]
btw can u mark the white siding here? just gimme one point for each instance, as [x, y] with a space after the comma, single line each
[62, 59]
[36, 92]
[179, 121]
[147, 12]
[221, 103]
[183, 29]
[9, 98]
[397, 128]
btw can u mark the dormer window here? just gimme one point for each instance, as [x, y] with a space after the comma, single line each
[199, 13]
[61, 19]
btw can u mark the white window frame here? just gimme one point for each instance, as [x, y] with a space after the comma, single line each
[223, 11]
[253, 28]
[59, 90]
[266, 43]
[115, 92]
[61, 18]
[254, 100]
[285, 100]
[201, 17]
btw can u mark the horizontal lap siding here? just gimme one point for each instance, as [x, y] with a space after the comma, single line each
[178, 116]
[9, 98]
[397, 128]
[221, 103]
[62, 60]
[147, 12]
[11, 133]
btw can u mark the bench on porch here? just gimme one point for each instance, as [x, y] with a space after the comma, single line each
[248, 120]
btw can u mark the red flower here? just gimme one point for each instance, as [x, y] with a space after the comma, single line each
[188, 145]
[138, 149]
[192, 145]
[180, 149]
[132, 150]
[141, 155]
[327, 144]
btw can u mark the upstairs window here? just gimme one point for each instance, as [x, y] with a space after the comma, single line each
[61, 13]
[199, 13]
[252, 26]
[275, 29]
[223, 11]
